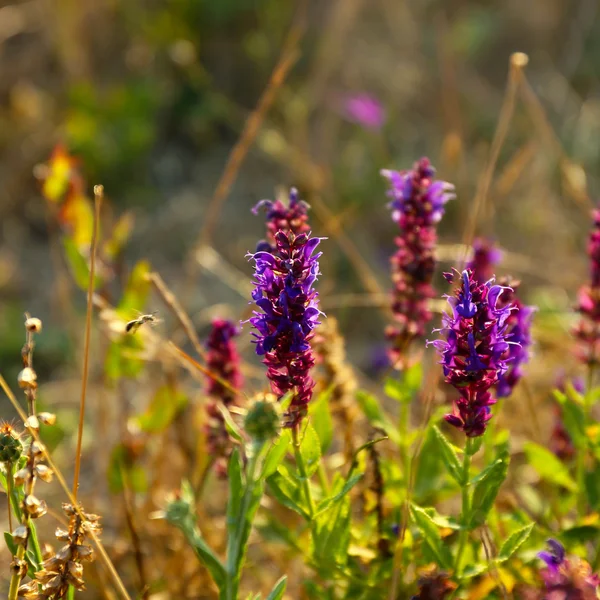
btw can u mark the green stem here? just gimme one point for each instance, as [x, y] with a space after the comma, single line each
[323, 478]
[15, 580]
[233, 551]
[403, 431]
[464, 515]
[303, 475]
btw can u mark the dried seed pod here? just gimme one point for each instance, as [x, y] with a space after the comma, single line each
[47, 418]
[61, 534]
[20, 534]
[19, 567]
[33, 325]
[32, 423]
[35, 507]
[37, 448]
[85, 553]
[44, 473]
[22, 476]
[29, 590]
[27, 378]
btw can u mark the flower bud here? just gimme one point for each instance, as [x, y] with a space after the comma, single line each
[33, 325]
[27, 378]
[10, 447]
[262, 421]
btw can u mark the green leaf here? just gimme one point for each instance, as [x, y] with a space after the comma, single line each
[166, 403]
[321, 419]
[406, 387]
[428, 473]
[288, 492]
[276, 453]
[514, 541]
[572, 416]
[449, 456]
[580, 534]
[592, 486]
[278, 589]
[486, 488]
[182, 514]
[548, 466]
[121, 360]
[78, 265]
[310, 449]
[230, 425]
[431, 536]
[376, 417]
[10, 544]
[236, 491]
[136, 291]
[348, 484]
[331, 538]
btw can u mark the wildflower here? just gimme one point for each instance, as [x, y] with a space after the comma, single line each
[364, 110]
[518, 328]
[474, 350]
[10, 445]
[588, 329]
[417, 206]
[486, 255]
[288, 316]
[262, 421]
[567, 578]
[280, 217]
[223, 361]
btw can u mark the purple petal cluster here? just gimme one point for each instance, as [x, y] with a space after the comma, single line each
[365, 110]
[287, 316]
[293, 217]
[224, 361]
[567, 578]
[486, 255]
[417, 205]
[473, 350]
[588, 329]
[518, 328]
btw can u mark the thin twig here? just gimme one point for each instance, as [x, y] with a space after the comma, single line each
[63, 484]
[171, 301]
[98, 195]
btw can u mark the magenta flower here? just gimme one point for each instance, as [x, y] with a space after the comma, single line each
[588, 329]
[280, 217]
[364, 110]
[473, 350]
[287, 316]
[417, 206]
[224, 361]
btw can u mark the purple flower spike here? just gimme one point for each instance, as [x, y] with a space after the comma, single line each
[364, 110]
[224, 361]
[417, 204]
[486, 255]
[288, 313]
[280, 217]
[555, 557]
[474, 350]
[588, 329]
[519, 336]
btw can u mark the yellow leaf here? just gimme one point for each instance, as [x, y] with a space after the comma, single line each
[58, 174]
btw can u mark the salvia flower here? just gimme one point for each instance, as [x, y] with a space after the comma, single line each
[518, 328]
[223, 361]
[287, 316]
[473, 350]
[417, 205]
[293, 217]
[588, 329]
[364, 109]
[486, 255]
[567, 578]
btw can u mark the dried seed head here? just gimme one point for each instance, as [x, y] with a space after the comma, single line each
[85, 553]
[33, 325]
[262, 421]
[47, 551]
[68, 509]
[29, 590]
[32, 423]
[20, 534]
[37, 448]
[10, 446]
[27, 378]
[61, 534]
[19, 567]
[35, 507]
[47, 418]
[44, 473]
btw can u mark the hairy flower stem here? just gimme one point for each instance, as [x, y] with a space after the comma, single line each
[466, 508]
[302, 470]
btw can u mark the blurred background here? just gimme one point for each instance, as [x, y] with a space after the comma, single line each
[152, 95]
